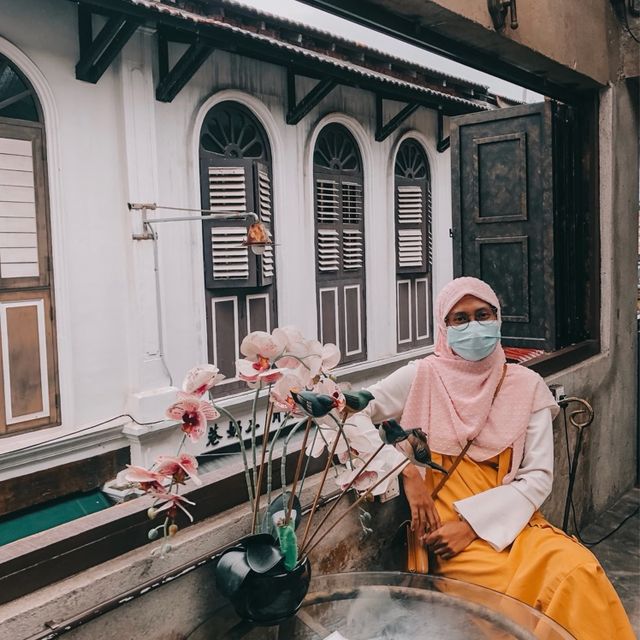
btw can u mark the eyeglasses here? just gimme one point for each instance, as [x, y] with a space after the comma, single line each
[460, 320]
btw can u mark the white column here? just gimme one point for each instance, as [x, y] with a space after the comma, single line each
[150, 385]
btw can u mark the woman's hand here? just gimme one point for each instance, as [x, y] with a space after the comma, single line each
[424, 516]
[451, 538]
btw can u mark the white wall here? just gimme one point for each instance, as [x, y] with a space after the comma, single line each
[112, 143]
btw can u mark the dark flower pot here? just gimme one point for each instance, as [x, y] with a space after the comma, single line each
[266, 596]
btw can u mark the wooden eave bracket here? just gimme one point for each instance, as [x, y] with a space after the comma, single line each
[383, 130]
[96, 54]
[173, 80]
[298, 110]
[443, 143]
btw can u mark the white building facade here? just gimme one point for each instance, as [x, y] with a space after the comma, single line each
[130, 311]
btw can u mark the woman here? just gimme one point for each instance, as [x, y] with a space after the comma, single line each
[484, 526]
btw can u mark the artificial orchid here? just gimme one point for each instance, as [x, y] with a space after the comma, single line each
[296, 374]
[179, 468]
[200, 379]
[193, 413]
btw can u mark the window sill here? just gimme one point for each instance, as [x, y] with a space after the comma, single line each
[43, 558]
[551, 363]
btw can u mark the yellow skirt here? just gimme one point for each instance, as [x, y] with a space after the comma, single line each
[544, 567]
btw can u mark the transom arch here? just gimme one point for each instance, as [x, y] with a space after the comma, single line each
[231, 130]
[336, 149]
[18, 98]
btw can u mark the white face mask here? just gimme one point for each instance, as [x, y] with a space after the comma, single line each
[476, 341]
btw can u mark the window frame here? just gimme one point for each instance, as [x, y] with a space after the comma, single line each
[15, 289]
[258, 284]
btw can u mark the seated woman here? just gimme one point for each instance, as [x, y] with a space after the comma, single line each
[484, 526]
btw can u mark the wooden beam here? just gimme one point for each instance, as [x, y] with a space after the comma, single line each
[173, 80]
[298, 110]
[383, 131]
[96, 54]
[443, 143]
[74, 477]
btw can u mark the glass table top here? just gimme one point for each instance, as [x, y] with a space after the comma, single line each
[393, 606]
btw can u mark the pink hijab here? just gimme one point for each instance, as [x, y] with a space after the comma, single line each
[452, 399]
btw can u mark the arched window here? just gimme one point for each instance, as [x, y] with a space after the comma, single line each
[28, 370]
[413, 246]
[340, 257]
[235, 177]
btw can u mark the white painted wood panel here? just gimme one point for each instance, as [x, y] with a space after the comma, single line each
[42, 365]
[18, 233]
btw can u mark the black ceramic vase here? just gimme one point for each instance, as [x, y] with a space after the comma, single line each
[253, 577]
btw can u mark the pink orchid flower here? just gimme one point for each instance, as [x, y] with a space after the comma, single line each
[330, 357]
[295, 346]
[259, 371]
[200, 379]
[328, 387]
[148, 480]
[281, 393]
[178, 467]
[171, 502]
[376, 469]
[260, 344]
[194, 414]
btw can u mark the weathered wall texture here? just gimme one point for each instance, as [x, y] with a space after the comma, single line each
[580, 35]
[172, 611]
[608, 381]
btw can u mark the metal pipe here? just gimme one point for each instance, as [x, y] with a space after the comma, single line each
[226, 216]
[159, 323]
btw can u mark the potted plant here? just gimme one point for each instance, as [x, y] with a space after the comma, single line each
[266, 574]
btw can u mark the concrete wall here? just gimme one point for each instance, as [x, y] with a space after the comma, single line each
[579, 35]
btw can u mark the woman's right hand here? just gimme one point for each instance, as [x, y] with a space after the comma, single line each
[424, 515]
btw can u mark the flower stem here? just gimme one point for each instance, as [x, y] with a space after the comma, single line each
[344, 492]
[247, 477]
[314, 506]
[283, 459]
[364, 496]
[306, 464]
[254, 409]
[298, 469]
[281, 426]
[265, 441]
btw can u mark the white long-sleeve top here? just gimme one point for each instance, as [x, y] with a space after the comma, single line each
[498, 514]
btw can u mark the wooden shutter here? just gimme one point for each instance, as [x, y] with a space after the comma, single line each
[236, 176]
[413, 246]
[502, 190]
[411, 226]
[264, 209]
[227, 189]
[28, 359]
[339, 209]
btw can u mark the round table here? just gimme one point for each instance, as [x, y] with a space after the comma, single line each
[393, 606]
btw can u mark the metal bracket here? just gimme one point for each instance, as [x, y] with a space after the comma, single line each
[173, 80]
[298, 110]
[385, 130]
[498, 11]
[96, 54]
[443, 143]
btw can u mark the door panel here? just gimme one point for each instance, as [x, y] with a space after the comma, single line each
[503, 206]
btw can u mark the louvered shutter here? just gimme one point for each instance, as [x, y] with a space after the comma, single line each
[352, 227]
[412, 200]
[328, 226]
[227, 189]
[264, 209]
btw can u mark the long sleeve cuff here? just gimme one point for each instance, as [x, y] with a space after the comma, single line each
[480, 512]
